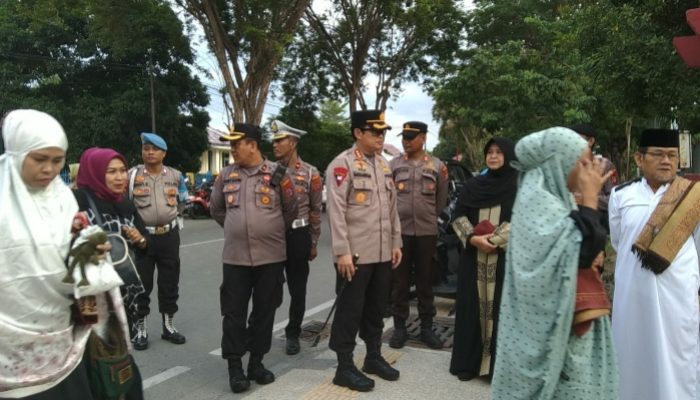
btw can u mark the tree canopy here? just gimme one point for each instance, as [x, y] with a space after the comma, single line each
[533, 64]
[87, 63]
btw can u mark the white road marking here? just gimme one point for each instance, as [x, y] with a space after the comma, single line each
[164, 376]
[280, 325]
[198, 243]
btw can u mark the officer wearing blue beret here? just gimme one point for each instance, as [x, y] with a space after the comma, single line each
[158, 192]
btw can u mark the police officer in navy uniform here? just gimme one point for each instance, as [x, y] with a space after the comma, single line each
[421, 185]
[158, 192]
[364, 221]
[254, 201]
[306, 228]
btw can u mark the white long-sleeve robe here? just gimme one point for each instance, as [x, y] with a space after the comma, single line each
[656, 323]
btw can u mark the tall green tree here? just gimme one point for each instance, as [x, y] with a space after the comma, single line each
[248, 39]
[88, 64]
[395, 42]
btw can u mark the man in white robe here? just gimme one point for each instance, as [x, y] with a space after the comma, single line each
[655, 316]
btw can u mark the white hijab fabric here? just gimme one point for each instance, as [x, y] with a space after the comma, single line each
[37, 338]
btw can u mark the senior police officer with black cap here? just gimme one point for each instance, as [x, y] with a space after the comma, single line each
[364, 221]
[158, 192]
[254, 201]
[421, 186]
[306, 228]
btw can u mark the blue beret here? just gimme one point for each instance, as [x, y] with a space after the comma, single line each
[152, 138]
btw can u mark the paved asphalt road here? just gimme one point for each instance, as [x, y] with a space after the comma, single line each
[196, 371]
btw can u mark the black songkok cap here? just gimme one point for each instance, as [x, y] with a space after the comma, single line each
[659, 138]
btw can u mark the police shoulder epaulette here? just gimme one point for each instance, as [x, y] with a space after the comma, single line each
[626, 184]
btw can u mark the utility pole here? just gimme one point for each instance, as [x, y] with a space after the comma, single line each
[153, 100]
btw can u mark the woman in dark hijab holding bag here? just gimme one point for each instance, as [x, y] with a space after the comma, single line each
[484, 203]
[103, 178]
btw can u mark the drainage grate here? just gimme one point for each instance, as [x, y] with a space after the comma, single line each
[444, 328]
[310, 329]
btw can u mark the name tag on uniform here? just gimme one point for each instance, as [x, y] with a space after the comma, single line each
[142, 191]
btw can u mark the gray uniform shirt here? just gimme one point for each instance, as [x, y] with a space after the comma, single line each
[421, 187]
[254, 214]
[309, 190]
[156, 197]
[362, 207]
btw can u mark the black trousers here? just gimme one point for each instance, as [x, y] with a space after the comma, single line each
[361, 307]
[417, 261]
[296, 269]
[242, 333]
[163, 252]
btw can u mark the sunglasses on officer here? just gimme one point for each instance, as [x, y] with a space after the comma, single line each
[374, 132]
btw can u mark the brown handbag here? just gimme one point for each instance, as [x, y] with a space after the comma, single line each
[591, 300]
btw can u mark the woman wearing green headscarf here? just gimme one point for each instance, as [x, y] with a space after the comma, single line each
[539, 354]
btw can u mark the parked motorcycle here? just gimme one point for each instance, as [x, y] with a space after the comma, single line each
[448, 244]
[198, 203]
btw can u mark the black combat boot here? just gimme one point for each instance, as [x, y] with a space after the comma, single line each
[377, 365]
[349, 376]
[169, 332]
[428, 336]
[400, 335]
[293, 346]
[257, 371]
[236, 378]
[140, 338]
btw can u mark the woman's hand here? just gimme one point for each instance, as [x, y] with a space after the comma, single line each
[590, 181]
[134, 236]
[598, 261]
[482, 243]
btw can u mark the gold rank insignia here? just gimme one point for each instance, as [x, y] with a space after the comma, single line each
[401, 185]
[360, 165]
[300, 189]
[265, 189]
[233, 175]
[230, 187]
[265, 200]
[263, 168]
[358, 154]
[172, 201]
[230, 199]
[140, 179]
[360, 197]
[300, 177]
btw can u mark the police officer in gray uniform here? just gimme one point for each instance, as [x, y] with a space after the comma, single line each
[158, 192]
[303, 237]
[364, 221]
[421, 186]
[254, 201]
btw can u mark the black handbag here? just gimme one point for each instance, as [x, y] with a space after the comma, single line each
[123, 261]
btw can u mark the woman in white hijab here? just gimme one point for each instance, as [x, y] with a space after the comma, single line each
[40, 347]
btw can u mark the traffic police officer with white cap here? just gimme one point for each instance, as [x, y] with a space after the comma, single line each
[306, 228]
[421, 186]
[254, 201]
[364, 221]
[158, 192]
